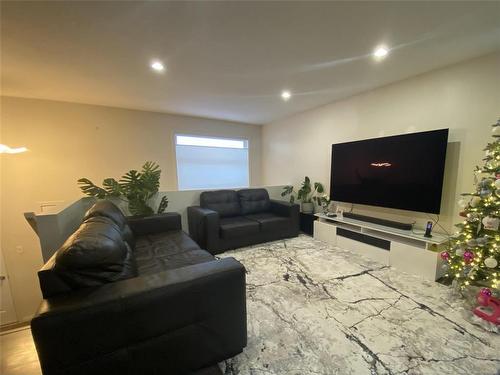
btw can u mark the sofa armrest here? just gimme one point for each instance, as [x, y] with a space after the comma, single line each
[194, 314]
[283, 208]
[143, 225]
[204, 225]
[289, 210]
[50, 282]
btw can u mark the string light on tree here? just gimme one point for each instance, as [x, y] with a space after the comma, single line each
[473, 256]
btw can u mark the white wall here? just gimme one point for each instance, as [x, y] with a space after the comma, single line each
[69, 141]
[463, 97]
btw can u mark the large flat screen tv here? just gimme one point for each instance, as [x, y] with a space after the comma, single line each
[403, 171]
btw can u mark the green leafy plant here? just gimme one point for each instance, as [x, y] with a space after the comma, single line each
[137, 188]
[307, 193]
[288, 190]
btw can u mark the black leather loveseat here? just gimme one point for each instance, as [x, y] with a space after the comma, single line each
[137, 296]
[227, 219]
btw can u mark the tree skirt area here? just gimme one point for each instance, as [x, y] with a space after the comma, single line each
[317, 309]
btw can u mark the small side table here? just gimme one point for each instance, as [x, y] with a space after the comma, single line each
[307, 223]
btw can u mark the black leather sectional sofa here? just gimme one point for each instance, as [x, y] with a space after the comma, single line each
[227, 219]
[137, 296]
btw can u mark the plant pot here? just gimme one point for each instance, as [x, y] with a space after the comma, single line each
[308, 208]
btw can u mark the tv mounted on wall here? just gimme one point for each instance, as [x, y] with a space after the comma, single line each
[403, 171]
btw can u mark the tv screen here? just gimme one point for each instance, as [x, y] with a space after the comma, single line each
[403, 171]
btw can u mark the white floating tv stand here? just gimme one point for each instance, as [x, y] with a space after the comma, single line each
[403, 249]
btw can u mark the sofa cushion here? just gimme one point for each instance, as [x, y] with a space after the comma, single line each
[270, 222]
[94, 255]
[225, 202]
[234, 227]
[167, 250]
[163, 243]
[174, 261]
[104, 208]
[254, 201]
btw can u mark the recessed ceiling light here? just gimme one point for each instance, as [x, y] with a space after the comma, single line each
[157, 66]
[285, 95]
[380, 52]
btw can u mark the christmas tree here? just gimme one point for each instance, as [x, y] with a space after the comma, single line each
[473, 255]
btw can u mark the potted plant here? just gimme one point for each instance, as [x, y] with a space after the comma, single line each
[137, 188]
[307, 194]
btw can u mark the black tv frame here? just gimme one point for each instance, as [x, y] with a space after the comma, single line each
[395, 138]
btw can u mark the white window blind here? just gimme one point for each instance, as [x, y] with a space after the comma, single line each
[211, 163]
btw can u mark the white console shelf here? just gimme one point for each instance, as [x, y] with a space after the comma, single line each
[406, 250]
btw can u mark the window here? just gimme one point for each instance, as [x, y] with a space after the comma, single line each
[211, 163]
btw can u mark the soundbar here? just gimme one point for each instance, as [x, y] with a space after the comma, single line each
[376, 220]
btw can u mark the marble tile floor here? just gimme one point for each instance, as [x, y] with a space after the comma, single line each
[315, 309]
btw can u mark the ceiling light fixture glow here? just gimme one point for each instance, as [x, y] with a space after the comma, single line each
[286, 95]
[381, 52]
[157, 66]
[4, 149]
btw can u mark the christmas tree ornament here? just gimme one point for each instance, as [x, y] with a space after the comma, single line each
[481, 241]
[460, 252]
[467, 270]
[475, 201]
[491, 223]
[490, 262]
[445, 255]
[485, 193]
[462, 203]
[497, 183]
[486, 292]
[485, 183]
[468, 256]
[472, 243]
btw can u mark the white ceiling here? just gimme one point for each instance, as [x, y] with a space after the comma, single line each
[230, 60]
